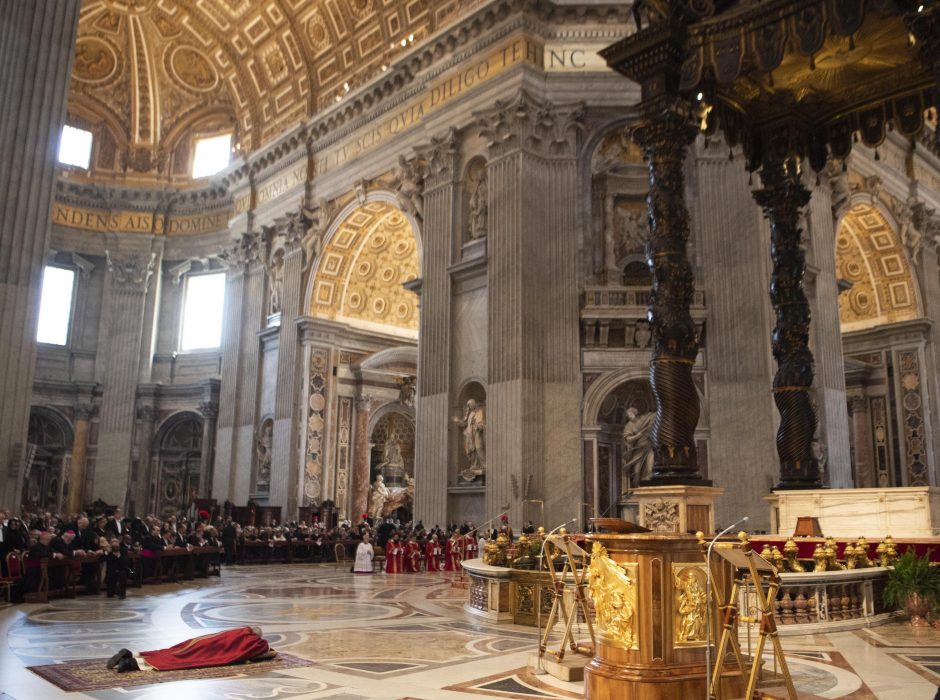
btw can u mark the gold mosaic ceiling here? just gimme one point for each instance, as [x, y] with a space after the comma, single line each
[147, 72]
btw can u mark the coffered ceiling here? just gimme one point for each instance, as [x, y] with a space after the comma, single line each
[149, 72]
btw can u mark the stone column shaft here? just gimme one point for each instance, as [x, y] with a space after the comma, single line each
[360, 478]
[146, 416]
[37, 43]
[783, 197]
[223, 481]
[865, 472]
[210, 414]
[79, 455]
[285, 463]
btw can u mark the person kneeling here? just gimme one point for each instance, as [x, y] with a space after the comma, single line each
[241, 645]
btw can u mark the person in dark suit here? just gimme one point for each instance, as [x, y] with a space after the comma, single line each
[4, 542]
[229, 538]
[116, 525]
[42, 550]
[85, 537]
[118, 563]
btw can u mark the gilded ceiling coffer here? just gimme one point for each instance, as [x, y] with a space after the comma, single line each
[783, 197]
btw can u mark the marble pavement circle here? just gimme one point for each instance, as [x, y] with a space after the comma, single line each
[276, 612]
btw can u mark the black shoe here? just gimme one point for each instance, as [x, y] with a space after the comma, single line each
[128, 663]
[116, 659]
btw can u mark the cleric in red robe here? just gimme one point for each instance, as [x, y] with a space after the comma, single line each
[219, 649]
[412, 556]
[433, 555]
[454, 553]
[470, 547]
[394, 553]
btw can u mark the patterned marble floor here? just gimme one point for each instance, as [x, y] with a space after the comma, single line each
[384, 637]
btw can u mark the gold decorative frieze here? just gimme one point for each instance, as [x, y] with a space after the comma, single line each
[613, 588]
[103, 221]
[691, 595]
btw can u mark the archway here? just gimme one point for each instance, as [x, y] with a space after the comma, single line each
[50, 444]
[884, 374]
[359, 285]
[178, 451]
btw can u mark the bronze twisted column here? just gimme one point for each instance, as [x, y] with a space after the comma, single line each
[665, 138]
[782, 198]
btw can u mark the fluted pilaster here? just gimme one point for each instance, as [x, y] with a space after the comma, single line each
[123, 325]
[432, 400]
[223, 480]
[285, 460]
[37, 39]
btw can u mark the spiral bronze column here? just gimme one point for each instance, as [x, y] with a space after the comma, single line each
[783, 197]
[665, 139]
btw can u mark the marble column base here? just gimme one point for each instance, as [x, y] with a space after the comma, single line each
[679, 509]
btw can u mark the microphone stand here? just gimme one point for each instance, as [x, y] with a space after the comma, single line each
[538, 670]
[708, 601]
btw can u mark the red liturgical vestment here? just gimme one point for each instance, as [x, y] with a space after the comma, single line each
[221, 649]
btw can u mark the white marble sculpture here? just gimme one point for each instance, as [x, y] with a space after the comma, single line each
[637, 447]
[473, 426]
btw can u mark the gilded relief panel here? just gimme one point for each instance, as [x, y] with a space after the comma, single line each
[613, 589]
[689, 604]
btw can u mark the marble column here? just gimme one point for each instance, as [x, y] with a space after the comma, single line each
[285, 462]
[146, 417]
[863, 446]
[826, 334]
[742, 421]
[210, 414]
[533, 445]
[783, 197]
[37, 43]
[76, 478]
[361, 454]
[432, 401]
[117, 371]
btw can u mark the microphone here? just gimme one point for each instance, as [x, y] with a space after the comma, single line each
[708, 600]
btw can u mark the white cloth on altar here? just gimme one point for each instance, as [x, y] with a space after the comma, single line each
[364, 556]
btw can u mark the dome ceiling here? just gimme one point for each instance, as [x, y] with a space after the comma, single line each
[147, 73]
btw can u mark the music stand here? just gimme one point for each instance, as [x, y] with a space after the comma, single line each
[577, 561]
[750, 569]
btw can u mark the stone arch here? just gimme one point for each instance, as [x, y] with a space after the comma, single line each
[50, 440]
[177, 450]
[871, 256]
[369, 251]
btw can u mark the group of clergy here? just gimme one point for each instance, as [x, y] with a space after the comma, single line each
[406, 555]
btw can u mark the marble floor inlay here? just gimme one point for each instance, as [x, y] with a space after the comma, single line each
[384, 638]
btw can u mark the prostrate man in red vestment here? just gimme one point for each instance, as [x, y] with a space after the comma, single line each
[433, 555]
[412, 556]
[454, 552]
[393, 556]
[220, 649]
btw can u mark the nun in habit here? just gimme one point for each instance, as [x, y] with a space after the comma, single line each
[364, 556]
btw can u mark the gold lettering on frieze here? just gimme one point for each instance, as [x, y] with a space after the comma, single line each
[518, 50]
[96, 220]
[136, 222]
[566, 57]
[243, 203]
[204, 223]
[281, 184]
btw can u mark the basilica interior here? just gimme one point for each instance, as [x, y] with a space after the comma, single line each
[464, 263]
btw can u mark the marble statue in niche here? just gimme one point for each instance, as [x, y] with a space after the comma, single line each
[642, 335]
[378, 494]
[637, 447]
[392, 466]
[626, 230]
[263, 443]
[276, 281]
[473, 427]
[407, 387]
[477, 207]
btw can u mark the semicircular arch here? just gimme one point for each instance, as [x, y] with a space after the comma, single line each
[871, 256]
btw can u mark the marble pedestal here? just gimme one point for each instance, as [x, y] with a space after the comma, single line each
[490, 591]
[683, 509]
[901, 512]
[649, 650]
